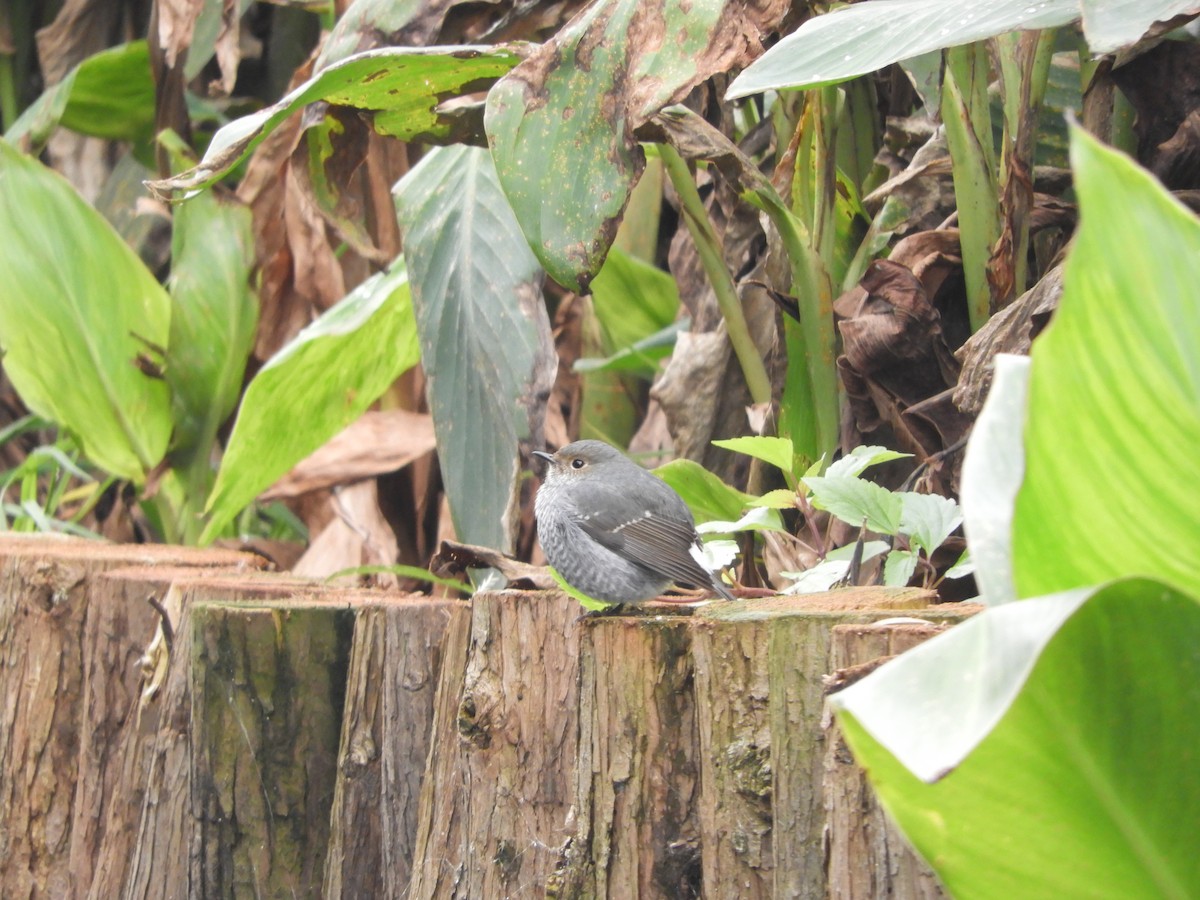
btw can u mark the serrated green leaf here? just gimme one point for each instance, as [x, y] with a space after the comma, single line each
[780, 499]
[860, 459]
[76, 296]
[928, 519]
[314, 387]
[852, 500]
[759, 518]
[486, 345]
[774, 450]
[898, 568]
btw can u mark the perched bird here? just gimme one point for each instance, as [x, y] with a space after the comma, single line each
[614, 531]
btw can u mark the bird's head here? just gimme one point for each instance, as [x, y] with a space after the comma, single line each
[579, 460]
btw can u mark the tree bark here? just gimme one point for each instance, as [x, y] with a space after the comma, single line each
[495, 800]
[395, 662]
[868, 857]
[66, 640]
[638, 778]
[759, 681]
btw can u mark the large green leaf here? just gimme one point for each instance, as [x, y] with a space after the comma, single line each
[562, 124]
[1045, 749]
[314, 387]
[709, 498]
[1111, 24]
[867, 36]
[1114, 396]
[108, 95]
[213, 320]
[77, 310]
[401, 85]
[991, 476]
[485, 336]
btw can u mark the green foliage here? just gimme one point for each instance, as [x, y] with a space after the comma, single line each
[402, 85]
[1087, 700]
[326, 377]
[485, 334]
[110, 95]
[213, 321]
[38, 494]
[95, 311]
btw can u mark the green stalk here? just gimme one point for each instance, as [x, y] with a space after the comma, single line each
[712, 259]
[968, 133]
[8, 92]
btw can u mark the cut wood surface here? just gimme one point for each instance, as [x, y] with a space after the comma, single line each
[495, 802]
[761, 738]
[637, 781]
[395, 663]
[179, 724]
[68, 645]
[867, 855]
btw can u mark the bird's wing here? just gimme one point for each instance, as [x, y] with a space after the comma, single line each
[658, 542]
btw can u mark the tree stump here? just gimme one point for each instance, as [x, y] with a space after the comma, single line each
[395, 662]
[68, 640]
[868, 857]
[495, 801]
[760, 666]
[637, 781]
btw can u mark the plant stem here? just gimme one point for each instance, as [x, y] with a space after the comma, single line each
[968, 133]
[712, 259]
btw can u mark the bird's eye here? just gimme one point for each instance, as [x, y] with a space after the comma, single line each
[577, 463]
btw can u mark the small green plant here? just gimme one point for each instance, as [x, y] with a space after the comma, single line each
[50, 490]
[907, 526]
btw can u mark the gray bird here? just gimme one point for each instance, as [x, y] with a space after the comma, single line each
[614, 531]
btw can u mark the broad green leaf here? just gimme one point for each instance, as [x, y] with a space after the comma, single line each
[852, 500]
[77, 310]
[314, 387]
[1114, 393]
[641, 357]
[707, 495]
[402, 86]
[928, 519]
[633, 300]
[860, 459]
[561, 125]
[213, 320]
[485, 336]
[779, 499]
[898, 568]
[1059, 759]
[774, 450]
[992, 471]
[864, 37]
[1110, 25]
[108, 95]
[214, 316]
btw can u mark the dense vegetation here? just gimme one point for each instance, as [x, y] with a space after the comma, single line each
[462, 218]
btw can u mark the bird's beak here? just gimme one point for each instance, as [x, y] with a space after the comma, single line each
[548, 457]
